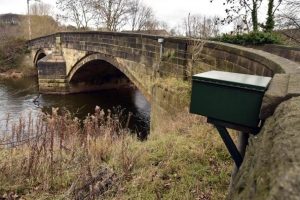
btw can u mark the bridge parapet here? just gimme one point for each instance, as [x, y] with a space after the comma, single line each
[177, 52]
[138, 55]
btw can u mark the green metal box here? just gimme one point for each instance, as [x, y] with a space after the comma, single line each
[229, 97]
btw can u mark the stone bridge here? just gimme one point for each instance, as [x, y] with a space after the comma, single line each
[83, 61]
[72, 62]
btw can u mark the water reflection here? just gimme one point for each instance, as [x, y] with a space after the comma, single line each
[17, 97]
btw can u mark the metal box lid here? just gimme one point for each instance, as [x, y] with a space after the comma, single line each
[250, 82]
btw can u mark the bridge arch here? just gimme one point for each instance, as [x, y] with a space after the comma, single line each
[38, 56]
[105, 60]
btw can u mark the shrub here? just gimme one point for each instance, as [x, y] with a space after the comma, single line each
[11, 52]
[253, 38]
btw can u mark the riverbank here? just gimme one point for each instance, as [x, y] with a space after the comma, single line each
[186, 160]
[15, 61]
[18, 73]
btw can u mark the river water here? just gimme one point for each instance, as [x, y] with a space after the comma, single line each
[17, 98]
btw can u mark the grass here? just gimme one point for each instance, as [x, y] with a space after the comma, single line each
[175, 83]
[179, 168]
[178, 87]
[101, 159]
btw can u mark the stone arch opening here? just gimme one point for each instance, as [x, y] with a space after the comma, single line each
[97, 75]
[99, 71]
[38, 56]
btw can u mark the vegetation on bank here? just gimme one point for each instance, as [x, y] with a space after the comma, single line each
[253, 38]
[14, 62]
[58, 157]
[12, 51]
[16, 26]
[13, 36]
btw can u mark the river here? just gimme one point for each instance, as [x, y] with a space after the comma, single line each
[17, 98]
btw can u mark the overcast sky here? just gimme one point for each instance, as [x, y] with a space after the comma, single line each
[170, 11]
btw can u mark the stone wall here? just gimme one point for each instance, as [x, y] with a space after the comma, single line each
[291, 53]
[51, 75]
[181, 57]
[138, 56]
[167, 105]
[72, 57]
[271, 169]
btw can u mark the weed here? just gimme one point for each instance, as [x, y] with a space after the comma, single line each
[54, 156]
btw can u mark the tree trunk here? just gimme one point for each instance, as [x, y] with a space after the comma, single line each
[270, 19]
[254, 16]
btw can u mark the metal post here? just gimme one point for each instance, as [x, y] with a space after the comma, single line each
[242, 144]
[161, 51]
[28, 15]
[160, 41]
[29, 22]
[235, 154]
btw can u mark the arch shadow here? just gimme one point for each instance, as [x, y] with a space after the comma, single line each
[112, 61]
[38, 56]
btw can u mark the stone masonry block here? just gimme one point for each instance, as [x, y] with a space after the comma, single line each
[282, 88]
[294, 85]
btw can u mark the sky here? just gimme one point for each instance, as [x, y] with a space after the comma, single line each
[173, 11]
[170, 11]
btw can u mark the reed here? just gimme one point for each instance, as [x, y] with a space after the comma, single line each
[47, 151]
[57, 156]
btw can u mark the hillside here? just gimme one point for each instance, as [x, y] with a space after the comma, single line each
[14, 25]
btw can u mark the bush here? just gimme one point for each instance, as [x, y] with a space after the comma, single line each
[253, 38]
[11, 52]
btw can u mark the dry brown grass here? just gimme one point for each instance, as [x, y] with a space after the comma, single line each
[100, 159]
[49, 152]
[185, 159]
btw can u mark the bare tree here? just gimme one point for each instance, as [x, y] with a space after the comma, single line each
[289, 18]
[288, 21]
[77, 11]
[113, 14]
[11, 48]
[152, 24]
[43, 25]
[140, 15]
[242, 9]
[16, 26]
[248, 10]
[198, 26]
[155, 25]
[42, 9]
[273, 6]
[240, 25]
[176, 31]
